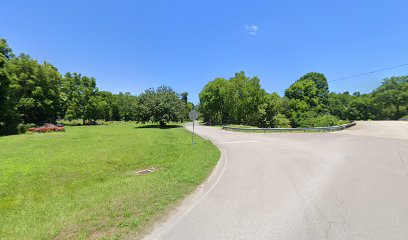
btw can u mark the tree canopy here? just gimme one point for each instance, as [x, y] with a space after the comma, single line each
[161, 105]
[306, 103]
[32, 92]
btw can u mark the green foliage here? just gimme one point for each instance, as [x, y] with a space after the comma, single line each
[237, 100]
[309, 93]
[340, 104]
[313, 119]
[37, 93]
[160, 105]
[124, 107]
[307, 102]
[82, 99]
[32, 92]
[9, 117]
[33, 89]
[272, 106]
[361, 107]
[212, 102]
[22, 128]
[388, 101]
[393, 94]
[280, 121]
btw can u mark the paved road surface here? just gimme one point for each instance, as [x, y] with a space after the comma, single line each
[343, 185]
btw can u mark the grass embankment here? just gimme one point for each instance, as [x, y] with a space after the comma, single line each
[82, 184]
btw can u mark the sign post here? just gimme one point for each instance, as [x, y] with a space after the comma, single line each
[193, 115]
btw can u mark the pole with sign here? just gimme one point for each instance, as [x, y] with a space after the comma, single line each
[193, 115]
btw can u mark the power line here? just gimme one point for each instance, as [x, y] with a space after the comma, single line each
[366, 73]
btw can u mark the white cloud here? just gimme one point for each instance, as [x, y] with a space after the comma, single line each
[251, 29]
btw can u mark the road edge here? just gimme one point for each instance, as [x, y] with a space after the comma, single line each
[161, 226]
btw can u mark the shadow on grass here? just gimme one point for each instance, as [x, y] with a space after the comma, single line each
[158, 126]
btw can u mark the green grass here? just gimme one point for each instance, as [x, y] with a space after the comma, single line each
[81, 183]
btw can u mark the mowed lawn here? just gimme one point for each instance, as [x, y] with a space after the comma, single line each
[82, 184]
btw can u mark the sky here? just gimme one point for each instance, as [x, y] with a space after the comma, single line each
[129, 46]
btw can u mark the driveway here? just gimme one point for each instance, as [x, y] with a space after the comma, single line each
[351, 184]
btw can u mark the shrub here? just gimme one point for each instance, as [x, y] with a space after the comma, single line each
[280, 121]
[21, 128]
[75, 122]
[312, 119]
[48, 127]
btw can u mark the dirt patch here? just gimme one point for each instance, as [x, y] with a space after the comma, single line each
[143, 171]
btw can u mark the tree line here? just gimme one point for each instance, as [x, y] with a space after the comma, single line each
[306, 103]
[36, 93]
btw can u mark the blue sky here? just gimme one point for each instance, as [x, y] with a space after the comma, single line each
[134, 45]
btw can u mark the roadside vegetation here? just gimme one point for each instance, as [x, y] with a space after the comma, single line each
[34, 93]
[306, 103]
[83, 183]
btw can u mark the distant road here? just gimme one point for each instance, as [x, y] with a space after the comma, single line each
[351, 184]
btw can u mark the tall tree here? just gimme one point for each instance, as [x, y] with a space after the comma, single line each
[9, 117]
[124, 107]
[34, 89]
[312, 89]
[237, 100]
[272, 106]
[81, 93]
[212, 102]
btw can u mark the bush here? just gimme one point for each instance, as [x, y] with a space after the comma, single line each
[312, 119]
[75, 122]
[48, 127]
[21, 128]
[280, 121]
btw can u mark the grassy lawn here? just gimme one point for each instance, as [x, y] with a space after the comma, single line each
[82, 184]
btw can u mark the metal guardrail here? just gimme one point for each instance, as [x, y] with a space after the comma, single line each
[403, 119]
[274, 130]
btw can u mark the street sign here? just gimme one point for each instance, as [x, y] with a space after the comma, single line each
[193, 115]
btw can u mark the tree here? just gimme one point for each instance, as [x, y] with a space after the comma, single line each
[34, 89]
[98, 107]
[339, 104]
[271, 107]
[393, 93]
[184, 97]
[189, 105]
[313, 90]
[322, 86]
[124, 107]
[9, 117]
[237, 100]
[81, 94]
[308, 94]
[161, 105]
[361, 107]
[212, 102]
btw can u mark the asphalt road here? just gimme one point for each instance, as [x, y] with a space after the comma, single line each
[351, 184]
